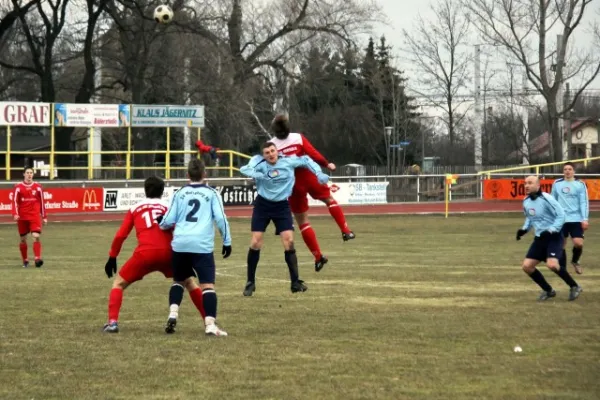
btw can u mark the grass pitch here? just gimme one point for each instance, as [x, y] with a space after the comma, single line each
[415, 308]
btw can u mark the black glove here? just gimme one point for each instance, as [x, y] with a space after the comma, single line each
[111, 267]
[226, 251]
[520, 233]
[159, 219]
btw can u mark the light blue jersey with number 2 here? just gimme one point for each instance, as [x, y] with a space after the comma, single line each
[193, 211]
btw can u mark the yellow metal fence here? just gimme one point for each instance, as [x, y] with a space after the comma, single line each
[128, 153]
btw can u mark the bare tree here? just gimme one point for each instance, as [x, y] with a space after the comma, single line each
[438, 51]
[523, 29]
[11, 16]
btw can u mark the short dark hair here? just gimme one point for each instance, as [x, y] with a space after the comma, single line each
[280, 124]
[26, 168]
[154, 187]
[266, 145]
[570, 164]
[196, 169]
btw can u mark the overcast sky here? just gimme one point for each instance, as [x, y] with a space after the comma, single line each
[402, 15]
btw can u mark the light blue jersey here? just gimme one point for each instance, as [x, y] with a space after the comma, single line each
[544, 214]
[573, 197]
[194, 210]
[275, 182]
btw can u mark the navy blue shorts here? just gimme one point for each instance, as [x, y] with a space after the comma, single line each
[201, 265]
[266, 211]
[573, 229]
[543, 248]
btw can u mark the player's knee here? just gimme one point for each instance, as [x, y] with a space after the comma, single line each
[206, 286]
[190, 284]
[36, 237]
[256, 241]
[120, 283]
[328, 200]
[528, 268]
[23, 239]
[578, 242]
[301, 218]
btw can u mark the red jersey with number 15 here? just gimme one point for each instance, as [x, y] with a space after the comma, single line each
[298, 145]
[142, 216]
[28, 201]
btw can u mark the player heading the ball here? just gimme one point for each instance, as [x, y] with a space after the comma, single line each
[274, 176]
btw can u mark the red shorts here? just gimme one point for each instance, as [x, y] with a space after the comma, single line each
[307, 184]
[144, 262]
[29, 225]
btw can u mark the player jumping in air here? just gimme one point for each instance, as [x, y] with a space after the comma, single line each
[274, 178]
[572, 195]
[152, 254]
[290, 143]
[29, 211]
[194, 210]
[547, 218]
[204, 148]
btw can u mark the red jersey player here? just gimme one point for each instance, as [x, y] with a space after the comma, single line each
[297, 144]
[152, 253]
[28, 210]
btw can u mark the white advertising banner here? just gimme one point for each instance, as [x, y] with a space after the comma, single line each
[123, 199]
[356, 193]
[167, 116]
[86, 115]
[24, 114]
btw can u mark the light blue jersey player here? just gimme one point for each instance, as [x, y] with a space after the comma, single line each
[194, 210]
[572, 195]
[546, 216]
[274, 176]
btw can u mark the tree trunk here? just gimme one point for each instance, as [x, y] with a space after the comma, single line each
[555, 140]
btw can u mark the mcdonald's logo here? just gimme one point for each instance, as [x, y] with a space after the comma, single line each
[90, 200]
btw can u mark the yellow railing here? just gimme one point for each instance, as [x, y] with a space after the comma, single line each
[536, 167]
[127, 167]
[127, 153]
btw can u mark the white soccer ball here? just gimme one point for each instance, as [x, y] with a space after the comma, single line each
[518, 349]
[163, 14]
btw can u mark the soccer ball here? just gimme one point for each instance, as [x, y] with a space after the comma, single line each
[163, 14]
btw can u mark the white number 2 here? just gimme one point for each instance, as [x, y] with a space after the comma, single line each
[150, 218]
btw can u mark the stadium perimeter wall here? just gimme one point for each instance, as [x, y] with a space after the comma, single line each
[99, 200]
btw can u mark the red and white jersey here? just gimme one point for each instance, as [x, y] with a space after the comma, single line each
[297, 144]
[28, 201]
[149, 235]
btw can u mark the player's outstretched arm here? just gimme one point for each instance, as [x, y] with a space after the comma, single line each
[170, 218]
[254, 169]
[313, 153]
[559, 212]
[218, 214]
[311, 165]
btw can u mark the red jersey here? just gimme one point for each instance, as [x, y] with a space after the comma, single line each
[149, 235]
[28, 201]
[297, 144]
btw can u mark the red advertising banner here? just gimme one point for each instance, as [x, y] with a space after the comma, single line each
[61, 200]
[514, 189]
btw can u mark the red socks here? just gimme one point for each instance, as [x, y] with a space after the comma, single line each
[23, 249]
[115, 299]
[338, 215]
[310, 238]
[37, 250]
[196, 296]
